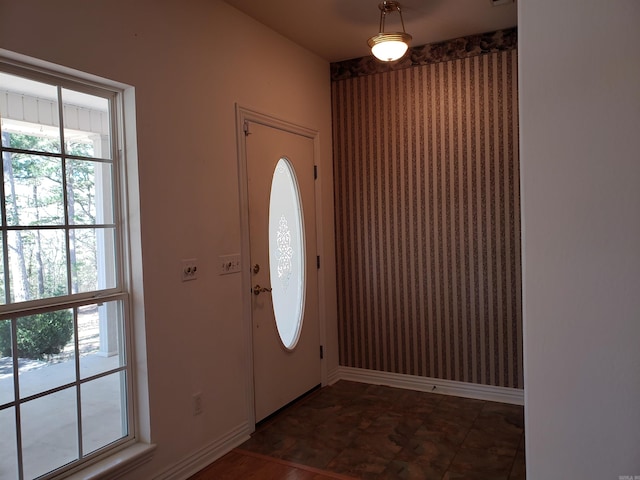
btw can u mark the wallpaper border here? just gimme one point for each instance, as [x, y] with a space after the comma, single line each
[455, 49]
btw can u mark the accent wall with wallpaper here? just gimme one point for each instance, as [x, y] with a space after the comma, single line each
[427, 207]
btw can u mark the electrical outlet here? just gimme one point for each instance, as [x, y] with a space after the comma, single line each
[189, 269]
[197, 404]
[229, 264]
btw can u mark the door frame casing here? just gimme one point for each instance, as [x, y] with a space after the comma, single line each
[243, 115]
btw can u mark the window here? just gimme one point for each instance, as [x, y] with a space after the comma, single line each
[65, 379]
[286, 251]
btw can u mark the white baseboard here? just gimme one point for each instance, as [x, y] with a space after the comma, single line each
[333, 376]
[427, 384]
[195, 462]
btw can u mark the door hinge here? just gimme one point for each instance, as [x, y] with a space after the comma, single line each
[318, 261]
[315, 172]
[245, 128]
[321, 352]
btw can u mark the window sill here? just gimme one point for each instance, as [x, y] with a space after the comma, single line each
[117, 464]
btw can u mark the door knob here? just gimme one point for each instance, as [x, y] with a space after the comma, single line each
[257, 290]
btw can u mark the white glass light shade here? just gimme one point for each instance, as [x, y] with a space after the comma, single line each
[389, 47]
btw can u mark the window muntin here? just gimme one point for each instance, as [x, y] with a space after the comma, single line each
[60, 251]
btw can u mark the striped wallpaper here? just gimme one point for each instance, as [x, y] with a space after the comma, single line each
[428, 220]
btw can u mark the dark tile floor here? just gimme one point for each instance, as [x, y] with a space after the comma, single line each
[378, 432]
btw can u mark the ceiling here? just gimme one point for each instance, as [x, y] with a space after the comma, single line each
[338, 29]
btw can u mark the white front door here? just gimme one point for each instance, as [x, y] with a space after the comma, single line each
[286, 342]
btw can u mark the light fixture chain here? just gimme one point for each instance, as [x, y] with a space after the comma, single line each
[401, 19]
[387, 6]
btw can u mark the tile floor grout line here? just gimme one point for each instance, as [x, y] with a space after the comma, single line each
[299, 466]
[515, 456]
[463, 440]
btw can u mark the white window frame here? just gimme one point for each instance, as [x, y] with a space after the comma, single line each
[131, 450]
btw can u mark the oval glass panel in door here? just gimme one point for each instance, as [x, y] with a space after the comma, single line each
[286, 253]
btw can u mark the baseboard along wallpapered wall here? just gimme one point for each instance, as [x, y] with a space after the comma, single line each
[428, 214]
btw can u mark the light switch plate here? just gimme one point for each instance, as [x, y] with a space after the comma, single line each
[229, 263]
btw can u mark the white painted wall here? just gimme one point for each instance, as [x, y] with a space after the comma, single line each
[580, 156]
[187, 79]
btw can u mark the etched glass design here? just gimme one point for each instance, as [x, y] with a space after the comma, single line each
[286, 253]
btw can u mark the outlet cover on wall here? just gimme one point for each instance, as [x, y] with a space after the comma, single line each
[189, 269]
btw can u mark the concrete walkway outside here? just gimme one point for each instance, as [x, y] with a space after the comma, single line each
[49, 424]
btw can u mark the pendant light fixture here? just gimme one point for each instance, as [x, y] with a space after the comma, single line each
[389, 46]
